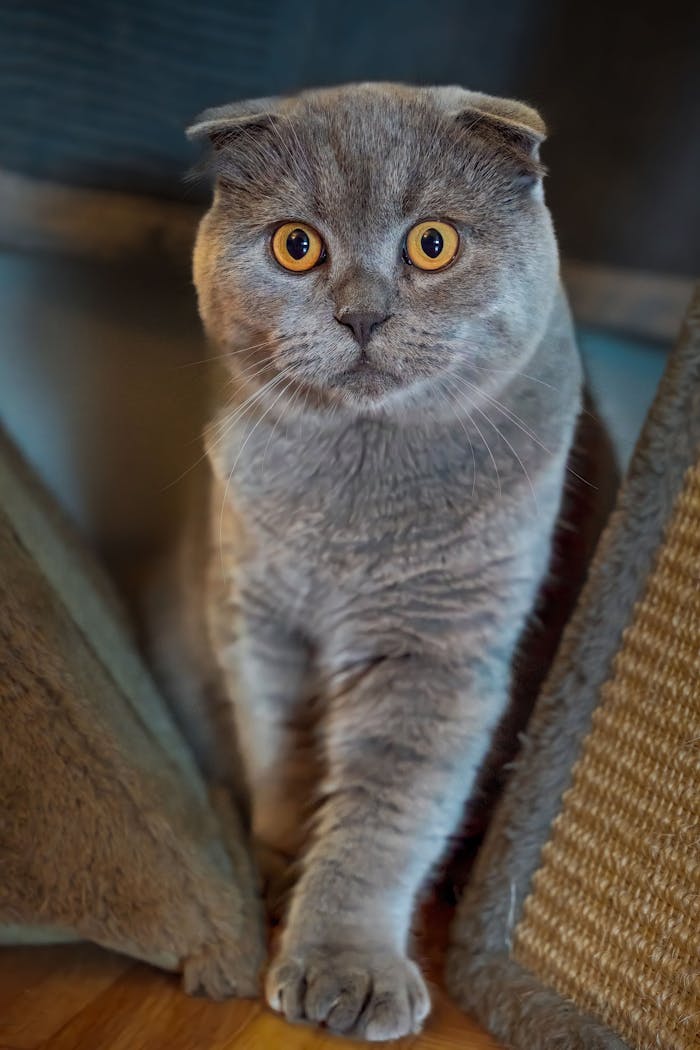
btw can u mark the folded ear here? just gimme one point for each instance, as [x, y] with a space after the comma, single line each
[505, 122]
[223, 123]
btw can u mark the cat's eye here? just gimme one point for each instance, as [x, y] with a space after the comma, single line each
[431, 245]
[297, 247]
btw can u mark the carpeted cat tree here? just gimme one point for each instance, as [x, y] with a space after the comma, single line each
[106, 830]
[580, 927]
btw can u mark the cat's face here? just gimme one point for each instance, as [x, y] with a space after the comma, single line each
[371, 241]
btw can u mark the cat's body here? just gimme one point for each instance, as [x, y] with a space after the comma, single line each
[375, 541]
[383, 510]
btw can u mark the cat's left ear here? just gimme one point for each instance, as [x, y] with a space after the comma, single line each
[508, 123]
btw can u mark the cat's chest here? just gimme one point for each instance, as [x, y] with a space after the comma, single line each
[354, 505]
[350, 486]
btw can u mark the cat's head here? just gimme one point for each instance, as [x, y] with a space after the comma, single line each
[369, 241]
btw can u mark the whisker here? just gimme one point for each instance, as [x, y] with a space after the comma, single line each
[486, 444]
[229, 353]
[508, 413]
[513, 450]
[462, 351]
[466, 433]
[520, 423]
[225, 427]
[506, 371]
[235, 464]
[279, 419]
[248, 377]
[257, 396]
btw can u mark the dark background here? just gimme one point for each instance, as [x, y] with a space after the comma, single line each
[97, 93]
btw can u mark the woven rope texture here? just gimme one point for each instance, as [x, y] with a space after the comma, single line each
[613, 919]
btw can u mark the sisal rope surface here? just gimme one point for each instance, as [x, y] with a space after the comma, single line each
[613, 919]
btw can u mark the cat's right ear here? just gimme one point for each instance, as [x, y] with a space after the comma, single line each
[223, 124]
[239, 140]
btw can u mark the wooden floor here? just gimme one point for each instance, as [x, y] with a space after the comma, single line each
[78, 997]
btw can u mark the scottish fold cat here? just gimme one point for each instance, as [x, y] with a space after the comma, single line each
[379, 276]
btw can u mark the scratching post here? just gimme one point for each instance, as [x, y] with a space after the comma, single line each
[580, 928]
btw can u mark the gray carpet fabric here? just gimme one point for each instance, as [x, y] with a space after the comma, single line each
[108, 832]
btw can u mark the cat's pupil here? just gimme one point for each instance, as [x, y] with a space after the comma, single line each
[432, 243]
[298, 244]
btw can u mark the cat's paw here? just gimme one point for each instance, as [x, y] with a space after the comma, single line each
[221, 972]
[374, 994]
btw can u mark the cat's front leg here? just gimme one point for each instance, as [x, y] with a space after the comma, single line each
[404, 742]
[270, 683]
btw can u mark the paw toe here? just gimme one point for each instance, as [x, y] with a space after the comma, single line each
[388, 1017]
[218, 974]
[285, 989]
[338, 999]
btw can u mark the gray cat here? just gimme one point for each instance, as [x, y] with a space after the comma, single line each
[379, 274]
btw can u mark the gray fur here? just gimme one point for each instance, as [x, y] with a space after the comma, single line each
[480, 973]
[379, 532]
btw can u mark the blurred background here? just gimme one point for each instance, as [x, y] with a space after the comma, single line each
[99, 337]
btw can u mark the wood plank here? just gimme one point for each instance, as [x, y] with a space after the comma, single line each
[69, 1008]
[324, 1041]
[43, 988]
[448, 1028]
[270, 1030]
[147, 1010]
[77, 997]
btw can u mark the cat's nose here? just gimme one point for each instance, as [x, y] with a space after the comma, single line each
[362, 323]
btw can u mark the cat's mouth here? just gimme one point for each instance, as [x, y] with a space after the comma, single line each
[364, 379]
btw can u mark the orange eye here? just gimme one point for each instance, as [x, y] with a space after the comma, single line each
[431, 245]
[297, 247]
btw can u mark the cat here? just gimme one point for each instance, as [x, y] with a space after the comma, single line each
[379, 275]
